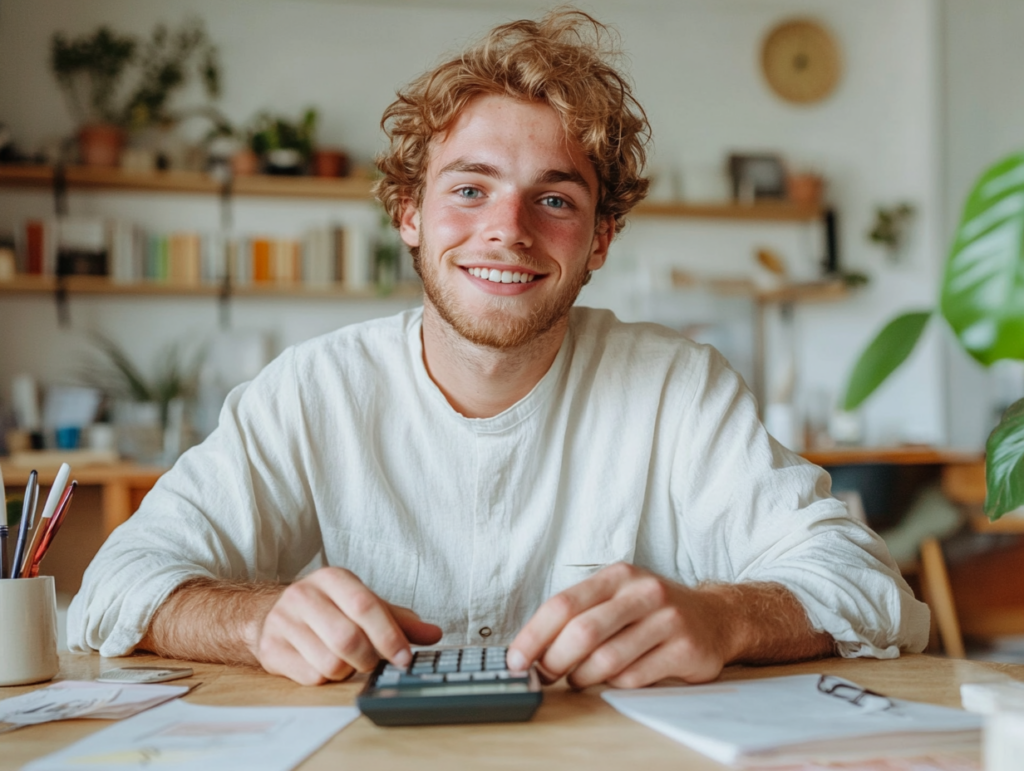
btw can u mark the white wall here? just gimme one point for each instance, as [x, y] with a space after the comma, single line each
[696, 72]
[983, 121]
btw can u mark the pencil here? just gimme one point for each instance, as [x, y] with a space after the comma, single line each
[56, 493]
[28, 511]
[32, 570]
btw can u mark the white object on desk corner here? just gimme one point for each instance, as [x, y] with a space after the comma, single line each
[989, 698]
[1004, 741]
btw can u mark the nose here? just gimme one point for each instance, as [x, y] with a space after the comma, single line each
[507, 223]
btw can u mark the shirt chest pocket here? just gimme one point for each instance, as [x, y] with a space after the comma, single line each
[389, 570]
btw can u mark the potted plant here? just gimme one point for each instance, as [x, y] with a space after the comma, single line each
[144, 407]
[91, 70]
[982, 302]
[283, 146]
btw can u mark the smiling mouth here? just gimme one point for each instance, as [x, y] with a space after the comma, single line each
[502, 276]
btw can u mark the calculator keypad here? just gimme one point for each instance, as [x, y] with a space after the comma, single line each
[439, 666]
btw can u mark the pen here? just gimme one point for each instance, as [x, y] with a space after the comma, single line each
[5, 570]
[28, 510]
[56, 493]
[32, 570]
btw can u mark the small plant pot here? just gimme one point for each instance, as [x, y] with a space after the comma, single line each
[285, 162]
[330, 163]
[245, 163]
[100, 144]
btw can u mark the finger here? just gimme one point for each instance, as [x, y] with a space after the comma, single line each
[370, 613]
[316, 653]
[585, 634]
[418, 631]
[551, 617]
[279, 657]
[339, 634]
[680, 657]
[619, 652]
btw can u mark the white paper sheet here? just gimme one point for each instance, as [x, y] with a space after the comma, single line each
[191, 737]
[76, 699]
[782, 719]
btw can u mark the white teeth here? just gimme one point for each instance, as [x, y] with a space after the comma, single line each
[502, 276]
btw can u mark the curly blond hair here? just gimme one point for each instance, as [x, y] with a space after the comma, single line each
[563, 61]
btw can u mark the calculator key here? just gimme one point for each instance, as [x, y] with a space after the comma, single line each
[485, 676]
[447, 666]
[432, 678]
[458, 677]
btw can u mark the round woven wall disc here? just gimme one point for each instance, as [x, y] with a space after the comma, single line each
[800, 59]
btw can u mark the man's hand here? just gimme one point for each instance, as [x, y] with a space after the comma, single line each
[329, 625]
[629, 628]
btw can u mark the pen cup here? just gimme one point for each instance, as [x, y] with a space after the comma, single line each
[28, 630]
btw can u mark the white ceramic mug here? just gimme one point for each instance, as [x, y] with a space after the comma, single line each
[28, 630]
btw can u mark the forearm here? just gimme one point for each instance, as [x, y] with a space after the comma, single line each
[211, 620]
[764, 623]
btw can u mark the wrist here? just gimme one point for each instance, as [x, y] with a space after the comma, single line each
[728, 612]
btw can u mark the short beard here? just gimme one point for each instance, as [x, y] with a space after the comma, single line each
[499, 330]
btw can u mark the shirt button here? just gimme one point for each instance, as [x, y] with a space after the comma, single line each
[485, 632]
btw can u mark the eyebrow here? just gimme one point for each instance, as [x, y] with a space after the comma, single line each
[549, 177]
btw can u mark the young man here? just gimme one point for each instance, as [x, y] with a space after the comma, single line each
[599, 495]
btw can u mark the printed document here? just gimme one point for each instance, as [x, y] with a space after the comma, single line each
[74, 698]
[784, 719]
[192, 737]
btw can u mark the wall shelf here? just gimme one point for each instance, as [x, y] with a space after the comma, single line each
[350, 188]
[100, 285]
[116, 180]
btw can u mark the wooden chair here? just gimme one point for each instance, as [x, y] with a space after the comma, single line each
[985, 615]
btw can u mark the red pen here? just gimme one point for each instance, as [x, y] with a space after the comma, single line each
[55, 523]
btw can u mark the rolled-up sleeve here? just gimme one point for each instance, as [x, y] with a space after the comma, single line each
[750, 510]
[236, 506]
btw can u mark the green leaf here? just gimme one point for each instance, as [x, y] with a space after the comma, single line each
[983, 286]
[885, 353]
[1004, 469]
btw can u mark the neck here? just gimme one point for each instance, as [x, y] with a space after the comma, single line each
[481, 382]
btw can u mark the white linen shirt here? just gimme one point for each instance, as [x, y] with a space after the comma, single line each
[637, 445]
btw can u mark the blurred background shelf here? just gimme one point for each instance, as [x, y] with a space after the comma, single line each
[101, 285]
[348, 188]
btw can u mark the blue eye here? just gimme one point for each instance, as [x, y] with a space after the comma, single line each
[469, 192]
[554, 202]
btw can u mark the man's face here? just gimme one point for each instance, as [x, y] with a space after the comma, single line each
[506, 230]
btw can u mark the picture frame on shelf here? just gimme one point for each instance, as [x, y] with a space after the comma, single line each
[757, 176]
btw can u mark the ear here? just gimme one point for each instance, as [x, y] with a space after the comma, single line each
[409, 224]
[602, 241]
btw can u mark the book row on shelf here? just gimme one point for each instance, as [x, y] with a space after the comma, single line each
[330, 255]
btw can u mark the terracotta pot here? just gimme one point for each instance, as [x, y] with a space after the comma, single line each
[805, 189]
[330, 163]
[244, 163]
[99, 144]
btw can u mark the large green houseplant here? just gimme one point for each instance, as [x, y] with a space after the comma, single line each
[982, 301]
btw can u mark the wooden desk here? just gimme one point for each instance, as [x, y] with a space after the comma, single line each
[123, 486]
[572, 730]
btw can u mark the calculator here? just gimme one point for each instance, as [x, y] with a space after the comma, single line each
[450, 685]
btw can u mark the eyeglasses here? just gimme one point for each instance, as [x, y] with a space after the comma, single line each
[861, 697]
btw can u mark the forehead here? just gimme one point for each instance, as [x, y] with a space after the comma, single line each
[506, 132]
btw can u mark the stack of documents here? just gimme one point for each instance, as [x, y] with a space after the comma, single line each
[788, 719]
[73, 699]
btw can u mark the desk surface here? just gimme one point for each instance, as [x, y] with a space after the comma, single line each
[571, 729]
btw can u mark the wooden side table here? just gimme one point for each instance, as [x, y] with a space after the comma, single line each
[122, 485]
